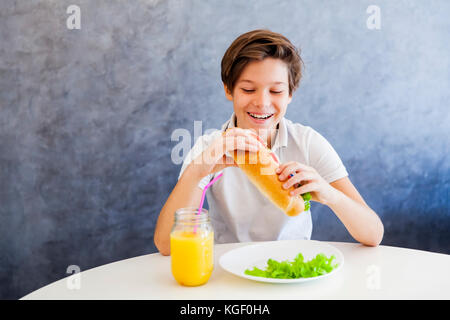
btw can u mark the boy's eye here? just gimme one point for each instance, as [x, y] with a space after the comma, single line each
[248, 90]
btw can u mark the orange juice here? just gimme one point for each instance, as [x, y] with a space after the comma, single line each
[192, 256]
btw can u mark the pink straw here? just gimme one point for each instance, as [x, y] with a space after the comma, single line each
[204, 192]
[203, 196]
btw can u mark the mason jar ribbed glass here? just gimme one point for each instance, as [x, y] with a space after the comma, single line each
[192, 247]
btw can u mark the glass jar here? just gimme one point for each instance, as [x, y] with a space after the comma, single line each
[192, 247]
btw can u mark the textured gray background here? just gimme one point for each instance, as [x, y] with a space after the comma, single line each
[86, 118]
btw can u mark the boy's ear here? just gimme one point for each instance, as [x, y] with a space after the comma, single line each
[227, 93]
[290, 98]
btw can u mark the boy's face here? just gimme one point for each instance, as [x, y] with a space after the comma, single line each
[261, 90]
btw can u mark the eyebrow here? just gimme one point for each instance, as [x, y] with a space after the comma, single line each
[276, 82]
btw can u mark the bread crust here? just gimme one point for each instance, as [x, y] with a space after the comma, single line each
[260, 168]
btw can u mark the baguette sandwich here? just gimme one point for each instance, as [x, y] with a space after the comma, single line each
[260, 169]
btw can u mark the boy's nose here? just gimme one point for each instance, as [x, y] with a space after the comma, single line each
[262, 99]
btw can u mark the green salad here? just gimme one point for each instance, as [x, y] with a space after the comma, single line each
[306, 197]
[298, 268]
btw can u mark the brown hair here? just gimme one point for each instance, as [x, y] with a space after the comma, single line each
[257, 45]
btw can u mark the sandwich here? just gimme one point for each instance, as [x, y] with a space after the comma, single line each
[260, 169]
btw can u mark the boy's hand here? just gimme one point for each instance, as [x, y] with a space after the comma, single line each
[214, 158]
[305, 179]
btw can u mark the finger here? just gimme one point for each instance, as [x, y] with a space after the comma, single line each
[298, 179]
[304, 167]
[247, 133]
[235, 131]
[259, 139]
[282, 166]
[226, 161]
[254, 136]
[232, 132]
[240, 143]
[290, 168]
[238, 132]
[309, 187]
[294, 167]
[229, 162]
[223, 163]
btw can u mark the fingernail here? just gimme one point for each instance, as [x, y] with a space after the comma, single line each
[278, 170]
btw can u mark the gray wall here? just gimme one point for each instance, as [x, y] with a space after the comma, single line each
[86, 117]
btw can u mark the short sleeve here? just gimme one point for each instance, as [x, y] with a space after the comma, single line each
[200, 145]
[324, 158]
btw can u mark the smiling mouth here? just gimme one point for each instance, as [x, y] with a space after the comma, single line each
[260, 116]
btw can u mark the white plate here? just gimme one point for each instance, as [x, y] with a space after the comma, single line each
[236, 261]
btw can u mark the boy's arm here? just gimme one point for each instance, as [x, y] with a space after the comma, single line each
[360, 220]
[185, 194]
[340, 196]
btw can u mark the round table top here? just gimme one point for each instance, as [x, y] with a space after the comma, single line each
[381, 272]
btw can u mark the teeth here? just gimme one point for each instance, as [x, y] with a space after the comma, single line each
[260, 116]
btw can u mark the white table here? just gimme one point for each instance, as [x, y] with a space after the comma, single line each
[381, 272]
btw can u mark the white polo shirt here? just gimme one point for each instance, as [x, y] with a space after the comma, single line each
[239, 212]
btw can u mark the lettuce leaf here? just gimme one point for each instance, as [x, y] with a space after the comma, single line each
[307, 197]
[295, 269]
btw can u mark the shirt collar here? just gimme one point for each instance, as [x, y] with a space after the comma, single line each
[281, 137]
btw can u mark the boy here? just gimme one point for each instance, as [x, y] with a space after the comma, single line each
[260, 71]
